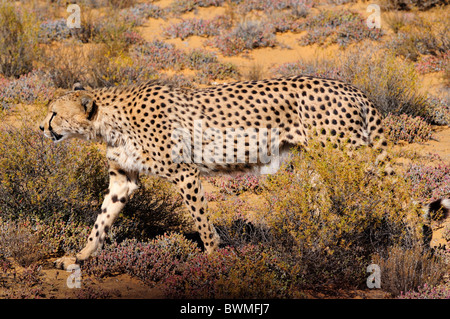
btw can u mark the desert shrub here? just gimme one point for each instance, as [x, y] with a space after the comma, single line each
[94, 67]
[391, 84]
[95, 292]
[398, 20]
[446, 233]
[245, 36]
[199, 27]
[341, 27]
[159, 54]
[114, 32]
[164, 56]
[295, 6]
[407, 128]
[232, 219]
[236, 184]
[429, 182]
[320, 68]
[137, 14]
[250, 272]
[432, 63]
[283, 22]
[182, 6]
[331, 213]
[120, 4]
[216, 71]
[151, 261]
[29, 88]
[19, 242]
[118, 70]
[18, 41]
[410, 4]
[30, 239]
[403, 270]
[427, 292]
[54, 30]
[422, 36]
[439, 110]
[67, 64]
[39, 178]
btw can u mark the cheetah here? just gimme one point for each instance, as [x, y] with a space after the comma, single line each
[158, 129]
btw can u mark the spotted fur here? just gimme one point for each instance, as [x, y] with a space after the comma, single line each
[137, 124]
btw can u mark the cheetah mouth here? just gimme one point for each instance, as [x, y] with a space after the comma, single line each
[55, 136]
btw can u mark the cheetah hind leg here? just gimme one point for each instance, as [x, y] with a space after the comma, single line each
[189, 185]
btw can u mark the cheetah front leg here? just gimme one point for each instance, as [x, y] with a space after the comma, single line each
[121, 185]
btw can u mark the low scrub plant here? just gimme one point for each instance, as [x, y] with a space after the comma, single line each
[333, 220]
[320, 68]
[137, 14]
[411, 4]
[39, 178]
[34, 87]
[341, 27]
[54, 30]
[298, 8]
[151, 261]
[441, 291]
[199, 27]
[392, 84]
[182, 6]
[18, 40]
[407, 128]
[431, 63]
[236, 184]
[252, 271]
[405, 270]
[429, 182]
[246, 35]
[422, 36]
[164, 56]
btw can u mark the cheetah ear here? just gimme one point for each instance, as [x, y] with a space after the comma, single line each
[78, 87]
[89, 106]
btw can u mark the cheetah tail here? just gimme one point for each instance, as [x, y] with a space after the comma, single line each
[437, 210]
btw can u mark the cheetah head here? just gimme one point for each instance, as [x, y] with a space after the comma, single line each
[70, 115]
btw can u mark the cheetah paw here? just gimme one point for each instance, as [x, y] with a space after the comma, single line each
[64, 262]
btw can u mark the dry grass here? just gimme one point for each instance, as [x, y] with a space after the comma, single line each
[406, 269]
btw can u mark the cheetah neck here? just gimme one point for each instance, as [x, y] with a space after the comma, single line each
[107, 127]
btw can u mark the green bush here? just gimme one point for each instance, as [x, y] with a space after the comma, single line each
[422, 35]
[18, 41]
[331, 213]
[38, 177]
[392, 84]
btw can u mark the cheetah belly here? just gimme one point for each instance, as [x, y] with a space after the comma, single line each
[128, 158]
